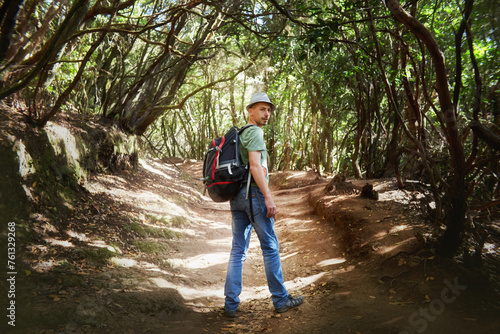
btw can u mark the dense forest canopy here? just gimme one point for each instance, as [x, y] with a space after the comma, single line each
[364, 88]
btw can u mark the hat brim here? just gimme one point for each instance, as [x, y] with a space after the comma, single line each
[273, 107]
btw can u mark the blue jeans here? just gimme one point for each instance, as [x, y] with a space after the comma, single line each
[242, 230]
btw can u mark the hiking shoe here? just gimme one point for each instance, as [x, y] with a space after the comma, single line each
[290, 303]
[229, 314]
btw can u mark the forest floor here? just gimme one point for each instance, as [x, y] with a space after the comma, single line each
[146, 252]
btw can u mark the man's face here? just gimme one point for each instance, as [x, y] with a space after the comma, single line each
[259, 113]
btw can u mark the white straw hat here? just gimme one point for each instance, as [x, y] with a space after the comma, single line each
[260, 97]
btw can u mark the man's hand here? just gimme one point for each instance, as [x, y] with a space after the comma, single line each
[271, 207]
[260, 178]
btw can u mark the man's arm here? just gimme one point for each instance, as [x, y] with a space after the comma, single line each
[260, 178]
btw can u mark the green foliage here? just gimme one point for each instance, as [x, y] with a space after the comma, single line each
[98, 256]
[355, 89]
[151, 246]
[151, 231]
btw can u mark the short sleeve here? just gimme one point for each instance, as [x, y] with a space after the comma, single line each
[252, 139]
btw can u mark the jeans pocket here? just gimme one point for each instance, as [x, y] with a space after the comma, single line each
[258, 203]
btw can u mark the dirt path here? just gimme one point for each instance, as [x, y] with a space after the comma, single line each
[357, 262]
[361, 269]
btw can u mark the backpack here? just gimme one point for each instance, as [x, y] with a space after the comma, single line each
[223, 171]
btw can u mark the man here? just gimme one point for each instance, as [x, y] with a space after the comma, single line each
[253, 151]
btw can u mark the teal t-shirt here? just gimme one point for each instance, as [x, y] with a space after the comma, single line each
[251, 140]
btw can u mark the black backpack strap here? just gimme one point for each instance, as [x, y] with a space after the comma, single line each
[249, 174]
[243, 128]
[249, 180]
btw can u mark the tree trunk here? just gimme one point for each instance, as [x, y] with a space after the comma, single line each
[57, 42]
[357, 141]
[288, 145]
[27, 44]
[452, 237]
[8, 14]
[458, 51]
[315, 144]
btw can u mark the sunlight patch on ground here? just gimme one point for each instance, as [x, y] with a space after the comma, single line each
[399, 228]
[202, 261]
[176, 263]
[293, 221]
[117, 188]
[162, 283]
[257, 292]
[387, 249]
[187, 194]
[124, 262]
[45, 265]
[490, 248]
[105, 182]
[139, 199]
[342, 270]
[283, 258]
[102, 244]
[186, 292]
[226, 242]
[392, 231]
[297, 175]
[380, 235]
[302, 282]
[191, 232]
[156, 171]
[383, 186]
[167, 273]
[214, 223]
[153, 199]
[80, 236]
[55, 242]
[165, 170]
[331, 262]
[400, 196]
